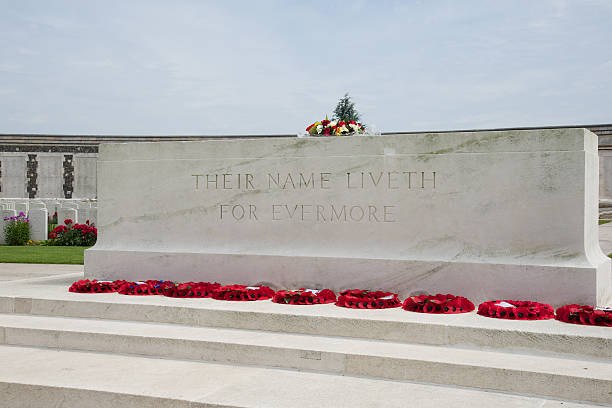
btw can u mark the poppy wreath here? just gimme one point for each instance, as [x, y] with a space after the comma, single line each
[304, 297]
[242, 293]
[439, 304]
[96, 286]
[365, 299]
[191, 290]
[146, 288]
[578, 314]
[522, 310]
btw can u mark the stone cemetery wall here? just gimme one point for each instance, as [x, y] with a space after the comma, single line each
[47, 175]
[500, 214]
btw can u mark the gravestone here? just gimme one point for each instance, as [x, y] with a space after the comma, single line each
[66, 213]
[39, 228]
[90, 214]
[22, 207]
[4, 214]
[487, 215]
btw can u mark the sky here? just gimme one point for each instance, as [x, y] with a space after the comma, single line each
[148, 67]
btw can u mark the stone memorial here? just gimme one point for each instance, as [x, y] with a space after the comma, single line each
[66, 213]
[22, 207]
[39, 228]
[87, 213]
[486, 215]
[4, 214]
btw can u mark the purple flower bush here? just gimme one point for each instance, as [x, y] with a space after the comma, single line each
[17, 229]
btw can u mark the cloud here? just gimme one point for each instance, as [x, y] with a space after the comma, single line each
[189, 67]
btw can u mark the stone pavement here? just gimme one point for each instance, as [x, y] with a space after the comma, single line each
[17, 271]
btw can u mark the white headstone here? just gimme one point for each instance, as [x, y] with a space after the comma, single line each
[14, 176]
[85, 177]
[4, 214]
[90, 214]
[65, 214]
[39, 229]
[487, 215]
[22, 207]
[50, 176]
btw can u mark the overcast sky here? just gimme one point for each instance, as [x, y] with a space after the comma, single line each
[270, 67]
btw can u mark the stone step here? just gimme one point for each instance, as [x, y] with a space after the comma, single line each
[38, 377]
[50, 297]
[558, 376]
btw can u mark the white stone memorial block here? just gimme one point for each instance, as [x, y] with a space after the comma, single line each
[66, 213]
[85, 177]
[486, 215]
[50, 176]
[90, 214]
[39, 229]
[22, 207]
[4, 214]
[13, 176]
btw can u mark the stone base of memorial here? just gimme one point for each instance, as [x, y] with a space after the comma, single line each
[489, 215]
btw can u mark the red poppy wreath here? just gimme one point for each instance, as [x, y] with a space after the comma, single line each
[516, 310]
[578, 314]
[96, 286]
[365, 299]
[304, 297]
[146, 288]
[242, 293]
[191, 290]
[439, 304]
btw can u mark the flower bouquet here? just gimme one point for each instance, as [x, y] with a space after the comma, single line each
[335, 128]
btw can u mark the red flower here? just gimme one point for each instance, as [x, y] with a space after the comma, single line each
[242, 293]
[304, 297]
[363, 299]
[67, 221]
[192, 290]
[444, 304]
[327, 131]
[520, 310]
[588, 315]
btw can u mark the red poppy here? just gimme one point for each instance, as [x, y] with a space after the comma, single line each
[580, 314]
[242, 293]
[442, 304]
[519, 310]
[304, 297]
[363, 299]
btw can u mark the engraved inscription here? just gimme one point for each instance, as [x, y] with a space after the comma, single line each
[391, 180]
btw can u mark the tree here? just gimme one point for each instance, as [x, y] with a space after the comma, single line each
[345, 110]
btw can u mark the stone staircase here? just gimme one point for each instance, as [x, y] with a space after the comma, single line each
[64, 349]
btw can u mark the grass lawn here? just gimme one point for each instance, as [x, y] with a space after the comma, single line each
[604, 221]
[42, 254]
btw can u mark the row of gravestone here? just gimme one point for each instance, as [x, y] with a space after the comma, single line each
[39, 213]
